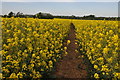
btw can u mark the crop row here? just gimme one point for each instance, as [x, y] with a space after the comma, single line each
[31, 46]
[99, 41]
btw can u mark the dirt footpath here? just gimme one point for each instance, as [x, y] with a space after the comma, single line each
[71, 66]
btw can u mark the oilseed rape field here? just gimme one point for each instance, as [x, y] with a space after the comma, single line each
[99, 40]
[31, 47]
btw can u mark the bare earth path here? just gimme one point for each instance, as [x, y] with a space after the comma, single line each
[71, 66]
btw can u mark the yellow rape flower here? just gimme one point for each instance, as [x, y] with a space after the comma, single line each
[20, 75]
[65, 48]
[96, 75]
[13, 75]
[99, 45]
[105, 50]
[68, 42]
[95, 66]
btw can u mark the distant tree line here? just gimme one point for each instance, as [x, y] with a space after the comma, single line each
[89, 17]
[21, 15]
[41, 15]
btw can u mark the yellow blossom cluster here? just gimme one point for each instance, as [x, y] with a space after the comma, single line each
[31, 46]
[99, 39]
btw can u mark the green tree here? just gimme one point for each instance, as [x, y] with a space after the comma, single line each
[11, 14]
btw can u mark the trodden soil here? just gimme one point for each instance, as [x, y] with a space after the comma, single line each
[70, 66]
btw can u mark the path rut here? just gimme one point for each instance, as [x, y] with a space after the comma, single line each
[70, 66]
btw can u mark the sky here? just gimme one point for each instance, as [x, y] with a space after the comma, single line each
[107, 8]
[60, 0]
